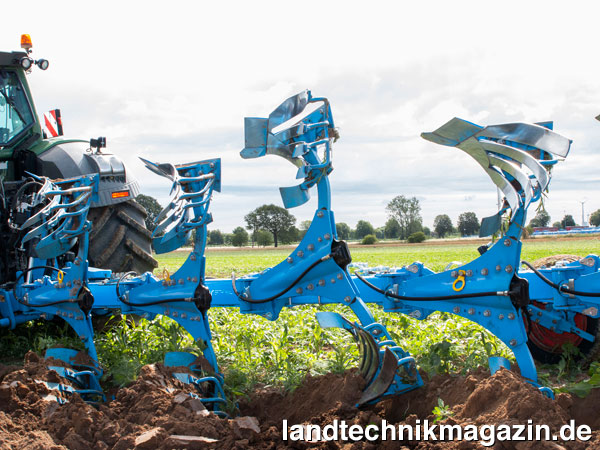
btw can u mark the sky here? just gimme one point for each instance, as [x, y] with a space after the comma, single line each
[173, 81]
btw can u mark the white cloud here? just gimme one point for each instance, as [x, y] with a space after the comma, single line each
[173, 81]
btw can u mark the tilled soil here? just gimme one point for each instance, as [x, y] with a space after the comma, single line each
[155, 412]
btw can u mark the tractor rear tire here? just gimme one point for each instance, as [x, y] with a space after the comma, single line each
[546, 345]
[119, 239]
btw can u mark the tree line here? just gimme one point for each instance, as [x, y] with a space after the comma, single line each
[273, 225]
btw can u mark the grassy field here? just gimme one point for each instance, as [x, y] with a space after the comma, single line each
[221, 262]
[253, 350]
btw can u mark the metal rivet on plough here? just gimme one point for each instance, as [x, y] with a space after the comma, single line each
[513, 342]
[181, 281]
[299, 290]
[537, 320]
[498, 268]
[539, 313]
[310, 247]
[456, 309]
[320, 214]
[469, 273]
[511, 316]
[554, 321]
[376, 332]
[415, 314]
[587, 262]
[192, 257]
[529, 310]
[508, 269]
[471, 311]
[175, 314]
[333, 281]
[212, 165]
[321, 282]
[327, 236]
[500, 316]
[552, 328]
[300, 253]
[71, 315]
[484, 272]
[195, 279]
[340, 276]
[320, 239]
[487, 313]
[507, 242]
[310, 286]
[79, 317]
[347, 299]
[290, 259]
[454, 274]
[189, 278]
[413, 268]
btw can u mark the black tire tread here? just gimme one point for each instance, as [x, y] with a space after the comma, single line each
[119, 240]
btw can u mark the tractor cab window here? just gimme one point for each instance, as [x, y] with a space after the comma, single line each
[15, 113]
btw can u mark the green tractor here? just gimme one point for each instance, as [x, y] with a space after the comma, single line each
[119, 239]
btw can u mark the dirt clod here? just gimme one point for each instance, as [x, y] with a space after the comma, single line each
[157, 411]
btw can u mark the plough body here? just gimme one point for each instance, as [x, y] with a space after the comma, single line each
[492, 290]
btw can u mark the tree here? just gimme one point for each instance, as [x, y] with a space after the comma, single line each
[152, 207]
[407, 212]
[417, 237]
[215, 237]
[442, 225]
[369, 239]
[556, 224]
[264, 238]
[239, 237]
[392, 228]
[567, 221]
[468, 224]
[343, 230]
[252, 223]
[595, 218]
[271, 218]
[363, 228]
[380, 233]
[541, 219]
[292, 234]
[426, 231]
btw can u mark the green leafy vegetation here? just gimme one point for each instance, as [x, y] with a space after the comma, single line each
[369, 239]
[251, 349]
[441, 411]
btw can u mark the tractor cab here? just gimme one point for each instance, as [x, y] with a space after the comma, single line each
[33, 146]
